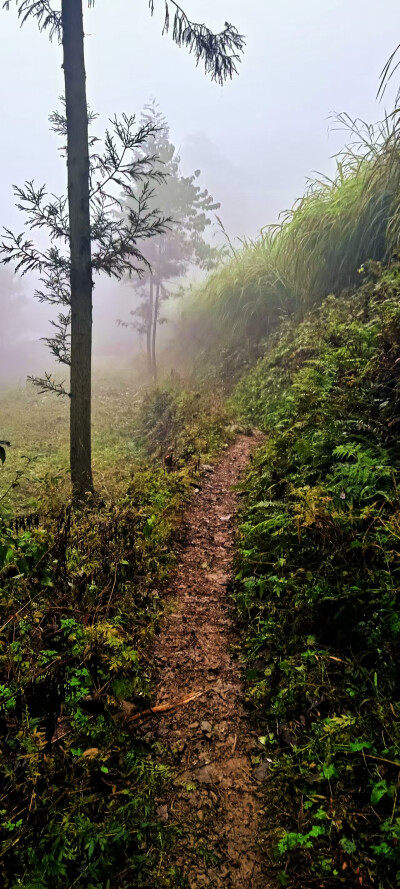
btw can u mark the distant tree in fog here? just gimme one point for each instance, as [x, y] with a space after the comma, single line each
[220, 54]
[183, 245]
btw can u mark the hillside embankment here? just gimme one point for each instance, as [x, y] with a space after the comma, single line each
[317, 586]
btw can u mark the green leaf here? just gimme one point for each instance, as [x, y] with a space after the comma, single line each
[251, 675]
[378, 791]
[349, 846]
[329, 771]
[149, 526]
[360, 745]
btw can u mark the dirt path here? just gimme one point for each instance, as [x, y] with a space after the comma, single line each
[217, 794]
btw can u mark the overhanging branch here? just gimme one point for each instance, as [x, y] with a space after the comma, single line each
[41, 10]
[220, 52]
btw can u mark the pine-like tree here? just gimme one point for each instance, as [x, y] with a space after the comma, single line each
[220, 54]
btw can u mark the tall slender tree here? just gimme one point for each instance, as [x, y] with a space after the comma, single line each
[220, 54]
[80, 245]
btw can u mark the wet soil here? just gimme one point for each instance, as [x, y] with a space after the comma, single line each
[217, 800]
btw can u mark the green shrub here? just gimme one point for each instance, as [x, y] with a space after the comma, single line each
[317, 584]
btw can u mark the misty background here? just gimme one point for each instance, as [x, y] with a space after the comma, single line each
[256, 140]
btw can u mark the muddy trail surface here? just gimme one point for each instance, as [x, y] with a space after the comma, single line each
[216, 801]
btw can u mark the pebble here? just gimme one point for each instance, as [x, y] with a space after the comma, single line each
[162, 813]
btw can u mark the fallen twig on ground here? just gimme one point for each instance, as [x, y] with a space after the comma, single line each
[169, 705]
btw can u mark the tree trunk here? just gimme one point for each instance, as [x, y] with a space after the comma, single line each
[80, 246]
[155, 321]
[150, 328]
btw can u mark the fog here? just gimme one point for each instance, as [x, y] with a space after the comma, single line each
[256, 140]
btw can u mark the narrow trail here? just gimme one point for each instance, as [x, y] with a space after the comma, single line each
[216, 798]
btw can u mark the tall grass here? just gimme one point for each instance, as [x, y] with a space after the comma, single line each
[342, 222]
[244, 292]
[316, 249]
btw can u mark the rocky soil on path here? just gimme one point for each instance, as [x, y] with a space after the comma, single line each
[216, 801]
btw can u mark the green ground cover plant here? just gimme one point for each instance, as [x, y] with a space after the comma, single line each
[317, 586]
[80, 599]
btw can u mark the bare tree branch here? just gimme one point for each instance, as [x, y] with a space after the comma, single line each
[49, 384]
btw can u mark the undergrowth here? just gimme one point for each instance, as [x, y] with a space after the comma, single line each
[80, 599]
[318, 586]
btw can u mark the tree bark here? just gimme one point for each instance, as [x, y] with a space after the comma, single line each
[155, 321]
[150, 328]
[80, 247]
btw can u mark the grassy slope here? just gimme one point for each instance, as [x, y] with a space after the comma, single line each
[79, 600]
[317, 249]
[318, 586]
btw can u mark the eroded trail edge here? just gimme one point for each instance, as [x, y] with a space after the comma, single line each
[216, 799]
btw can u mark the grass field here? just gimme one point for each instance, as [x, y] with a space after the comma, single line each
[37, 427]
